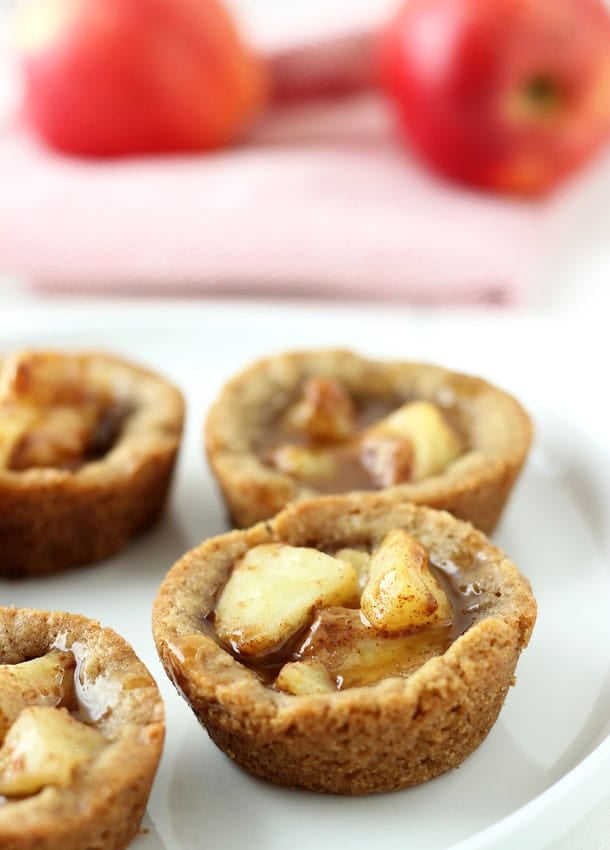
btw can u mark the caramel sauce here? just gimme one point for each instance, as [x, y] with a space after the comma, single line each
[353, 652]
[349, 471]
[107, 431]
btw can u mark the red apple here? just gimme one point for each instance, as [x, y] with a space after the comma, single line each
[115, 77]
[511, 95]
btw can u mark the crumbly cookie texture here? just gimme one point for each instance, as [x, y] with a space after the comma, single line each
[87, 448]
[307, 726]
[81, 734]
[303, 424]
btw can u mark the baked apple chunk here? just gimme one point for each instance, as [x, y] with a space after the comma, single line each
[348, 645]
[87, 447]
[81, 733]
[299, 425]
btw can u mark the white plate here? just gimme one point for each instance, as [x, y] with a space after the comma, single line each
[546, 760]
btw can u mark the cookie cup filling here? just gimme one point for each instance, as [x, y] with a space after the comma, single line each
[52, 517]
[117, 703]
[397, 732]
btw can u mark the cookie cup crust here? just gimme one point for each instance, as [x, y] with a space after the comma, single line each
[103, 807]
[52, 519]
[391, 735]
[475, 487]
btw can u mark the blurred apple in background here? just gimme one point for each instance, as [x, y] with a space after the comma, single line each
[116, 77]
[511, 95]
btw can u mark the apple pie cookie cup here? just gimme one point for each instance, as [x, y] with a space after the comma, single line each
[418, 432]
[62, 503]
[367, 734]
[81, 733]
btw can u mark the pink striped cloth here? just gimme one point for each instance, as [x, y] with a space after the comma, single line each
[321, 201]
